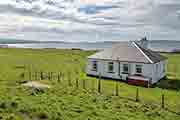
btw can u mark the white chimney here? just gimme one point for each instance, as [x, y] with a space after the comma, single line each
[144, 43]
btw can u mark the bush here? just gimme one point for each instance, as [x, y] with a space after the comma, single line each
[14, 104]
[3, 105]
[42, 115]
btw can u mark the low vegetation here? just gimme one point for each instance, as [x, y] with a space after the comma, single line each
[73, 95]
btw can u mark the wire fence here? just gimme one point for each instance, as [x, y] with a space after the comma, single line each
[106, 87]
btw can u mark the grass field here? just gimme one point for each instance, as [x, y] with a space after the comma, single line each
[67, 102]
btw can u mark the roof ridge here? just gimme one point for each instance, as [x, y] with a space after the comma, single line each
[139, 48]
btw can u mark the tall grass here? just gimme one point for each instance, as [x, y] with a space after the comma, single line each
[73, 95]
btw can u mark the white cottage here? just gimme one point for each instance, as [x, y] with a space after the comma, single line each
[129, 61]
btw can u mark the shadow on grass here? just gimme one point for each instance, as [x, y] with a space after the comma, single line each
[174, 112]
[171, 83]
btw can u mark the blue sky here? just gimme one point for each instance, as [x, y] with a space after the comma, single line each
[90, 20]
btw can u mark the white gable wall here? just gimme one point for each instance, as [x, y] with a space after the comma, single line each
[148, 70]
[159, 71]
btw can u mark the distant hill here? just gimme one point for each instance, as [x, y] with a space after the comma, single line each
[15, 41]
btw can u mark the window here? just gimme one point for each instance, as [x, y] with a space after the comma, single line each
[110, 67]
[125, 69]
[139, 69]
[94, 66]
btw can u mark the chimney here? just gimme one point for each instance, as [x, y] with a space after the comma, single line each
[144, 43]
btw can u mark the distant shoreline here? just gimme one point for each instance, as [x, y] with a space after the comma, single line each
[77, 49]
[14, 41]
[163, 47]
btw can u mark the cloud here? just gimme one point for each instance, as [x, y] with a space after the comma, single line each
[85, 19]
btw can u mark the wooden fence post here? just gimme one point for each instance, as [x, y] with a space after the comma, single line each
[69, 78]
[46, 75]
[162, 100]
[41, 75]
[30, 75]
[49, 76]
[22, 76]
[93, 85]
[117, 89]
[58, 77]
[137, 95]
[62, 76]
[52, 75]
[35, 75]
[77, 83]
[84, 84]
[99, 84]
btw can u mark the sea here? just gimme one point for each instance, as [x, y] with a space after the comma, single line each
[163, 46]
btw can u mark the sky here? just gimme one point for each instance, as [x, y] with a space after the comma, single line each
[90, 20]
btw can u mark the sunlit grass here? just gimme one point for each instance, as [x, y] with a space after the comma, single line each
[62, 101]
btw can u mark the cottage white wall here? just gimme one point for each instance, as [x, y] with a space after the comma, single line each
[163, 68]
[148, 70]
[154, 71]
[105, 72]
[158, 70]
[124, 76]
[89, 65]
[102, 68]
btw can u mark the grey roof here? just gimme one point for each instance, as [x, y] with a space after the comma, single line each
[128, 52]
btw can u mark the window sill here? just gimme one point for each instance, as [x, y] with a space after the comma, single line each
[94, 70]
[111, 72]
[139, 74]
[124, 73]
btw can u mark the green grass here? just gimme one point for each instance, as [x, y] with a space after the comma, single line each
[63, 102]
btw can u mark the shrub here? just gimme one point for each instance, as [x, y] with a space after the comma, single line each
[42, 115]
[3, 105]
[14, 104]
